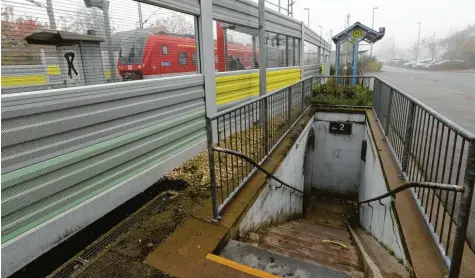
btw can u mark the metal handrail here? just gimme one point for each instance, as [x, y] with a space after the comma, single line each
[414, 184]
[255, 164]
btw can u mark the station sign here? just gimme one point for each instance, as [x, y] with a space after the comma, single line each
[340, 128]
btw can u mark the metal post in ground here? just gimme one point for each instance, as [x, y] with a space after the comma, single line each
[464, 213]
[408, 136]
[289, 108]
[263, 71]
[212, 169]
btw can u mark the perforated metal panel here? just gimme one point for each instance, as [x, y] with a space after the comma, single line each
[314, 38]
[245, 13]
[184, 6]
[61, 147]
[310, 70]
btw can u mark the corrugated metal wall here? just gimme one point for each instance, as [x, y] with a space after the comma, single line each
[62, 147]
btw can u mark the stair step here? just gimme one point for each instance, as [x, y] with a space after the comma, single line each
[353, 272]
[312, 243]
[316, 234]
[276, 263]
[333, 256]
[321, 228]
[305, 240]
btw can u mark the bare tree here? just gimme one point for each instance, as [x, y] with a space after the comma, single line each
[431, 44]
[413, 49]
[15, 50]
[84, 20]
[454, 43]
[175, 23]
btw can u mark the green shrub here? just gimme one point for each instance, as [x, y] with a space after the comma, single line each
[374, 66]
[330, 93]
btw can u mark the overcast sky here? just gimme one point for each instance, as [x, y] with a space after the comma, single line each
[400, 17]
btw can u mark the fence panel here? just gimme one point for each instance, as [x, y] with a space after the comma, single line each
[242, 128]
[61, 147]
[430, 148]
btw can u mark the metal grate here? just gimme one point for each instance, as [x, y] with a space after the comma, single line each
[85, 256]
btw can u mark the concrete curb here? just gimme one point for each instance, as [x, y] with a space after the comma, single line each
[369, 267]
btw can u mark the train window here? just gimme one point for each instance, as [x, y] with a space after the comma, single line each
[164, 50]
[193, 58]
[183, 58]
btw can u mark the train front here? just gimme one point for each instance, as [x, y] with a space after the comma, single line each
[131, 56]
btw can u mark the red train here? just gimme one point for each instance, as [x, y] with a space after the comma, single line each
[145, 55]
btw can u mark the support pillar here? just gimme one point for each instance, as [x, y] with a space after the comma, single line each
[355, 61]
[337, 60]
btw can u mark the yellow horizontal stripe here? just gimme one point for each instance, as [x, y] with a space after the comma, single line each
[25, 80]
[239, 86]
[240, 267]
[54, 70]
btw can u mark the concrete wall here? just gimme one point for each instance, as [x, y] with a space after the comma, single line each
[379, 219]
[277, 205]
[335, 158]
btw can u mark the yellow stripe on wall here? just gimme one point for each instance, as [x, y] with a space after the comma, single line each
[54, 70]
[235, 87]
[25, 80]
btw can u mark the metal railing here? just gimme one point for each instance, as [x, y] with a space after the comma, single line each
[259, 167]
[431, 148]
[253, 128]
[428, 147]
[430, 185]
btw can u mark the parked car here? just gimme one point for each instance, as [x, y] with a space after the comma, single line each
[409, 64]
[423, 64]
[449, 65]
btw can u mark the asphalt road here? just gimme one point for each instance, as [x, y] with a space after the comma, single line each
[451, 94]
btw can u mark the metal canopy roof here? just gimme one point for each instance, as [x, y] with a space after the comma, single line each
[369, 35]
[60, 38]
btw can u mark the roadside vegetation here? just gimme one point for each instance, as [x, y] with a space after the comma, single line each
[330, 93]
[366, 64]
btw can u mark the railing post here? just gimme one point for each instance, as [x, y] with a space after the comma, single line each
[212, 170]
[289, 108]
[377, 98]
[408, 136]
[386, 128]
[266, 124]
[303, 94]
[464, 213]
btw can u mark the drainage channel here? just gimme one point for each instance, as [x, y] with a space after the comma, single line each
[70, 256]
[96, 247]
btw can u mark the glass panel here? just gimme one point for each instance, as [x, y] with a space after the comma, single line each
[133, 47]
[234, 46]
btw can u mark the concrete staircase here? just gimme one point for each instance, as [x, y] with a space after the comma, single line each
[298, 248]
